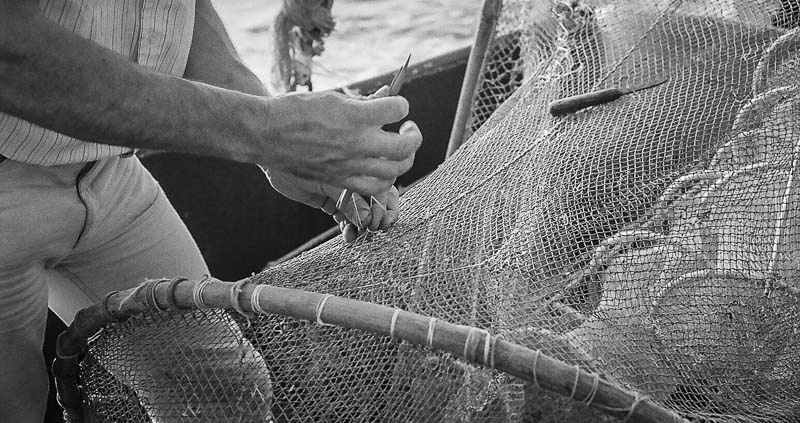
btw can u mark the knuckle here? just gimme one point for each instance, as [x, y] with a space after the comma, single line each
[363, 187]
[407, 164]
[403, 150]
[352, 145]
[385, 185]
[374, 188]
[388, 172]
[383, 110]
[331, 97]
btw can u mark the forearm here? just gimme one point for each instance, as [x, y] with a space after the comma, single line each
[213, 58]
[60, 81]
[65, 83]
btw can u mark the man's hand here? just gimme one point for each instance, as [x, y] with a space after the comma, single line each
[351, 211]
[320, 196]
[214, 60]
[384, 212]
[337, 139]
[68, 84]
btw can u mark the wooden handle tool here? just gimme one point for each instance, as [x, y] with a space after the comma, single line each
[581, 101]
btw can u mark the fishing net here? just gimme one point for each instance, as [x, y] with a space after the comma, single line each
[652, 240]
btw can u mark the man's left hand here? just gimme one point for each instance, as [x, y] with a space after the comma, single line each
[384, 212]
[353, 213]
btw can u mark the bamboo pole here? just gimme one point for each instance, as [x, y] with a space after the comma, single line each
[471, 344]
[489, 14]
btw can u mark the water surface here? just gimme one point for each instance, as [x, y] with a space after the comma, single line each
[371, 36]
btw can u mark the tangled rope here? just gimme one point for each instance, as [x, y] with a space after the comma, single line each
[299, 30]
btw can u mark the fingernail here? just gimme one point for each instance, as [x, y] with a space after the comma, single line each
[349, 233]
[406, 126]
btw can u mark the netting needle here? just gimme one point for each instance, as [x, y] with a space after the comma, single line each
[394, 89]
[399, 78]
[581, 101]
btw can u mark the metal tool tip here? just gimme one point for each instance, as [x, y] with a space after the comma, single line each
[399, 77]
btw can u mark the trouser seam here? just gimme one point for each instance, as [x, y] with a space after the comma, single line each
[64, 271]
[84, 200]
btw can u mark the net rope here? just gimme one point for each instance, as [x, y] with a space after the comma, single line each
[653, 241]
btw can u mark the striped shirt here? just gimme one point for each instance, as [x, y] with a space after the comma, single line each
[154, 33]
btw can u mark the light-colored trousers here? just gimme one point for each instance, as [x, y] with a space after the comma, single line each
[68, 235]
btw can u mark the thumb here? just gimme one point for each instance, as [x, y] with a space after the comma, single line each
[379, 110]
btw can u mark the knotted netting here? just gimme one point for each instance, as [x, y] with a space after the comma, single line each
[651, 240]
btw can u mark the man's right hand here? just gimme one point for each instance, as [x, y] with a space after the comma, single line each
[338, 140]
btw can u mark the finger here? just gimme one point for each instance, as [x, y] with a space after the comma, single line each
[316, 201]
[396, 145]
[341, 198]
[353, 208]
[390, 145]
[343, 230]
[349, 232]
[329, 206]
[408, 126]
[366, 185]
[380, 168]
[389, 219]
[361, 211]
[392, 213]
[377, 209]
[339, 217]
[379, 111]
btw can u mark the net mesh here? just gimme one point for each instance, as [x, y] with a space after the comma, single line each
[652, 240]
